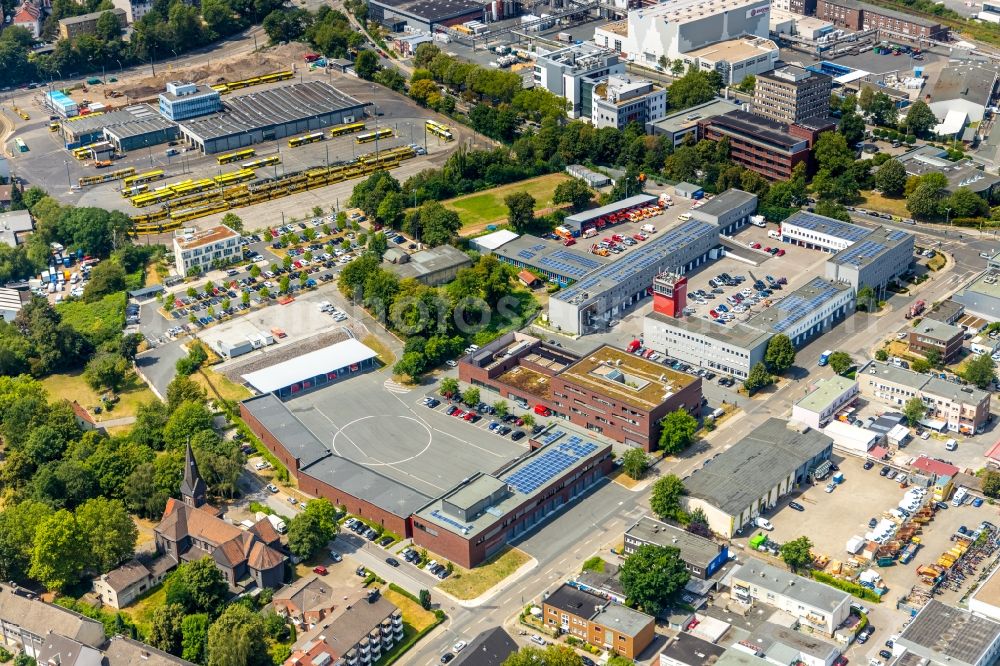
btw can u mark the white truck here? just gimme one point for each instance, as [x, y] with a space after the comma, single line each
[275, 521]
[649, 229]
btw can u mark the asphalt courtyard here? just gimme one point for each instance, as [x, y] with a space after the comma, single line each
[376, 424]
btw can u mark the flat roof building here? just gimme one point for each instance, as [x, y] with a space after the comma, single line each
[985, 601]
[943, 634]
[749, 478]
[136, 126]
[792, 94]
[817, 606]
[271, 114]
[313, 370]
[810, 310]
[181, 101]
[559, 264]
[963, 173]
[760, 144]
[777, 643]
[819, 406]
[606, 390]
[863, 16]
[701, 556]
[688, 650]
[730, 349]
[491, 242]
[677, 126]
[936, 336]
[736, 59]
[728, 211]
[14, 225]
[968, 87]
[818, 232]
[950, 406]
[433, 266]
[563, 72]
[594, 620]
[205, 249]
[620, 100]
[588, 219]
[981, 296]
[424, 15]
[236, 338]
[881, 257]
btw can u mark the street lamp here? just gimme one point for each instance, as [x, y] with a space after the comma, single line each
[947, 216]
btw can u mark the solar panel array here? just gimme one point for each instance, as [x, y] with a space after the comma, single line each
[795, 306]
[860, 253]
[462, 527]
[560, 262]
[828, 225]
[552, 436]
[550, 464]
[895, 235]
[655, 252]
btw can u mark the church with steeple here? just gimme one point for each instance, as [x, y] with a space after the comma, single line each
[192, 529]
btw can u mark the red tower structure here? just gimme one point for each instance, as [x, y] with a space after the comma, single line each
[670, 294]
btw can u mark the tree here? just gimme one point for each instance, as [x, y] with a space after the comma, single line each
[432, 223]
[852, 126]
[194, 637]
[840, 362]
[59, 554]
[520, 211]
[166, 628]
[796, 553]
[963, 202]
[677, 67]
[366, 64]
[881, 355]
[377, 245]
[187, 420]
[695, 87]
[575, 192]
[233, 221]
[883, 110]
[780, 354]
[866, 298]
[635, 463]
[832, 209]
[106, 371]
[651, 575]
[108, 532]
[980, 371]
[108, 277]
[305, 538]
[18, 524]
[865, 98]
[991, 484]
[925, 201]
[238, 638]
[501, 408]
[180, 390]
[552, 655]
[197, 586]
[748, 84]
[891, 178]
[933, 357]
[470, 396]
[449, 386]
[757, 378]
[665, 500]
[676, 431]
[914, 410]
[919, 118]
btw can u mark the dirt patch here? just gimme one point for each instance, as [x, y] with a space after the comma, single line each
[234, 68]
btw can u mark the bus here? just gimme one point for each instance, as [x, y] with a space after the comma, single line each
[147, 177]
[83, 152]
[235, 177]
[349, 128]
[438, 129]
[237, 156]
[303, 140]
[368, 137]
[277, 76]
[270, 160]
[220, 88]
[21, 145]
[107, 177]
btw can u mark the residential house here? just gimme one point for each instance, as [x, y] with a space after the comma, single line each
[360, 630]
[29, 16]
[594, 620]
[701, 556]
[27, 622]
[489, 648]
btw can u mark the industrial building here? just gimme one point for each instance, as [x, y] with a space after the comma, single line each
[881, 257]
[205, 249]
[818, 407]
[559, 264]
[433, 266]
[749, 478]
[425, 15]
[818, 232]
[489, 243]
[792, 94]
[729, 211]
[967, 87]
[313, 370]
[236, 339]
[950, 406]
[768, 147]
[856, 15]
[14, 226]
[86, 24]
[963, 173]
[669, 30]
[985, 601]
[592, 178]
[271, 114]
[134, 127]
[677, 126]
[597, 218]
[702, 557]
[182, 100]
[61, 103]
[736, 59]
[608, 391]
[817, 606]
[982, 295]
[591, 619]
[621, 100]
[807, 312]
[943, 634]
[476, 519]
[613, 289]
[11, 302]
[564, 72]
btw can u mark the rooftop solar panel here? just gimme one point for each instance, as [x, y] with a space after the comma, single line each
[859, 253]
[828, 225]
[451, 521]
[549, 464]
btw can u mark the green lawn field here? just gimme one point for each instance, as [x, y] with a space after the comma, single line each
[482, 208]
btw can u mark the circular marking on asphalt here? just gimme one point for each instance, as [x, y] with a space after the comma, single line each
[402, 443]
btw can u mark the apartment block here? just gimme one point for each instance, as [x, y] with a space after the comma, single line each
[597, 621]
[702, 557]
[950, 406]
[621, 100]
[86, 24]
[936, 336]
[792, 94]
[201, 250]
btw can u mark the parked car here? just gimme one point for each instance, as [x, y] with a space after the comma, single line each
[392, 561]
[321, 570]
[796, 506]
[272, 488]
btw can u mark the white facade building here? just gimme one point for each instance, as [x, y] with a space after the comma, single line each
[622, 100]
[563, 71]
[818, 407]
[736, 59]
[204, 249]
[672, 29]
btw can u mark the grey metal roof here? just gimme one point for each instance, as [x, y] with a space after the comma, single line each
[694, 549]
[687, 188]
[272, 413]
[365, 484]
[872, 247]
[432, 10]
[685, 118]
[267, 108]
[792, 586]
[827, 225]
[725, 202]
[594, 213]
[952, 635]
[969, 81]
[959, 393]
[747, 471]
[429, 261]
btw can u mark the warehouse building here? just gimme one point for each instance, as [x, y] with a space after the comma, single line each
[613, 289]
[476, 519]
[423, 15]
[564, 71]
[313, 370]
[491, 242]
[673, 29]
[982, 295]
[131, 128]
[702, 557]
[736, 59]
[749, 478]
[728, 211]
[433, 266]
[807, 312]
[608, 391]
[881, 257]
[943, 634]
[578, 223]
[559, 264]
[966, 87]
[236, 339]
[269, 115]
[15, 225]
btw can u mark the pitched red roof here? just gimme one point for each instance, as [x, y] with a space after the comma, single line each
[932, 466]
[994, 452]
[27, 13]
[82, 413]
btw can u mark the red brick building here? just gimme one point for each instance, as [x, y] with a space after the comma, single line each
[608, 391]
[862, 16]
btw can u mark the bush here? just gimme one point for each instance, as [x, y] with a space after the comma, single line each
[847, 586]
[5, 656]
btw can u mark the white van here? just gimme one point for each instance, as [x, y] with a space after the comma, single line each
[775, 235]
[951, 445]
[763, 523]
[684, 217]
[959, 497]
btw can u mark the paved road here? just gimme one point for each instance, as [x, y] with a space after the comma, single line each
[372, 557]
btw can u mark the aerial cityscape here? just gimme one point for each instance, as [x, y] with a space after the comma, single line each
[499, 333]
